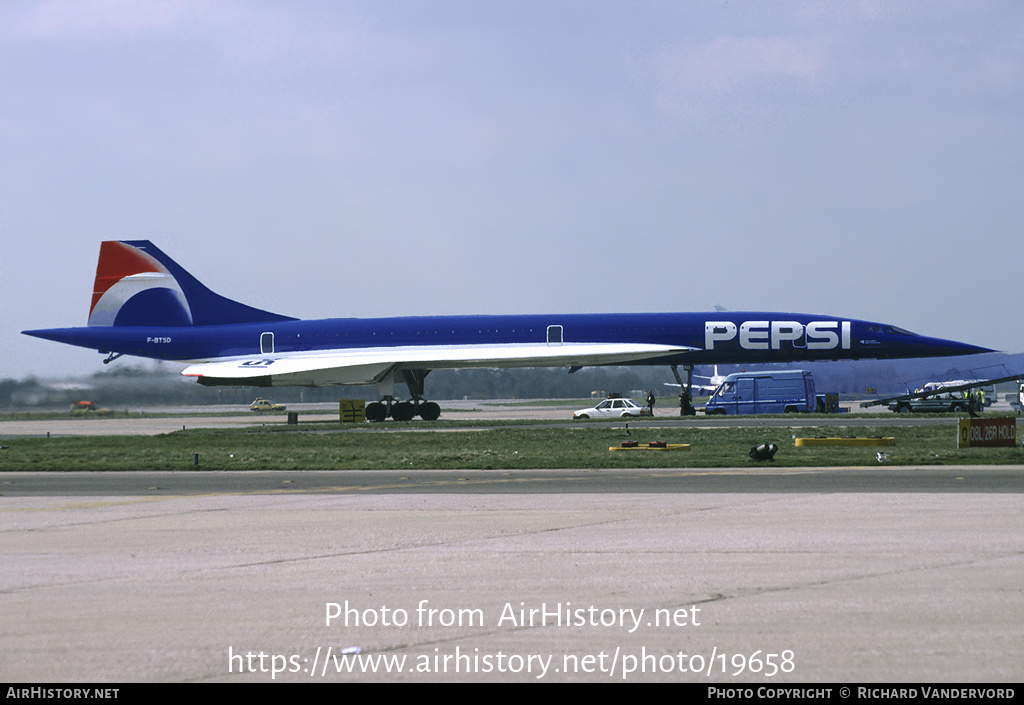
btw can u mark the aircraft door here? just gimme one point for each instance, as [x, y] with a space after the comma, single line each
[267, 343]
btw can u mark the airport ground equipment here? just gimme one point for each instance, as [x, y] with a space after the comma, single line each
[653, 445]
[935, 404]
[945, 402]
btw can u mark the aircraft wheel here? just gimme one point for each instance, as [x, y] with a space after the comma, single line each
[403, 411]
[376, 412]
[429, 411]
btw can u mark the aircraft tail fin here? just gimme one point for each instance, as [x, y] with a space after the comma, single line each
[138, 285]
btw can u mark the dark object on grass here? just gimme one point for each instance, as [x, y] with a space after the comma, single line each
[765, 451]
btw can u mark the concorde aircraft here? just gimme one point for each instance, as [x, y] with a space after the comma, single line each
[146, 304]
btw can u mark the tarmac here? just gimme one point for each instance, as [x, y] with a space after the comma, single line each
[525, 582]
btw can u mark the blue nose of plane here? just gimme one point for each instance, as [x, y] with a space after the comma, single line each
[937, 347]
[894, 342]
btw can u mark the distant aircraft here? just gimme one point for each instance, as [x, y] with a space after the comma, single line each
[713, 381]
[145, 304]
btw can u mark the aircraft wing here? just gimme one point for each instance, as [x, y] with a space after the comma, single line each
[371, 365]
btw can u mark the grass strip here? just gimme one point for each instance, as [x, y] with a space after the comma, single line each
[333, 447]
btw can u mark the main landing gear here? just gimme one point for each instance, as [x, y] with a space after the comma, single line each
[402, 410]
[405, 410]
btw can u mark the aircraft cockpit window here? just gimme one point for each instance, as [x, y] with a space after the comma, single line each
[889, 330]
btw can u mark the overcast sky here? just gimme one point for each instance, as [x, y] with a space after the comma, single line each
[316, 159]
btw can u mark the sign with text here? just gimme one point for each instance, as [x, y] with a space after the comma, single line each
[987, 433]
[352, 410]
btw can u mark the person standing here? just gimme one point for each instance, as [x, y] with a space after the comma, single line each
[650, 401]
[685, 407]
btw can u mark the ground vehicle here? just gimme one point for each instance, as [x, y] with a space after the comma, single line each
[930, 405]
[943, 401]
[613, 408]
[266, 405]
[764, 392]
[88, 407]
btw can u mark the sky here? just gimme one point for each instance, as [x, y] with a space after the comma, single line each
[390, 158]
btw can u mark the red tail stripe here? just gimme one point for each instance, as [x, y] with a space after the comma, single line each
[116, 262]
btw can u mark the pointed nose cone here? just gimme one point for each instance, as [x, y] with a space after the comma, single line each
[937, 347]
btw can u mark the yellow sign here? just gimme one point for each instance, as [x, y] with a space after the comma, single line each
[352, 410]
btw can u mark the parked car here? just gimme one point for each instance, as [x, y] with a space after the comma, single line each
[613, 408]
[266, 405]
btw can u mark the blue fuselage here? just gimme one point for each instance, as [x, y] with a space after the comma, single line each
[713, 338]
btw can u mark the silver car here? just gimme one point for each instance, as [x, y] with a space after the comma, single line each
[613, 408]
